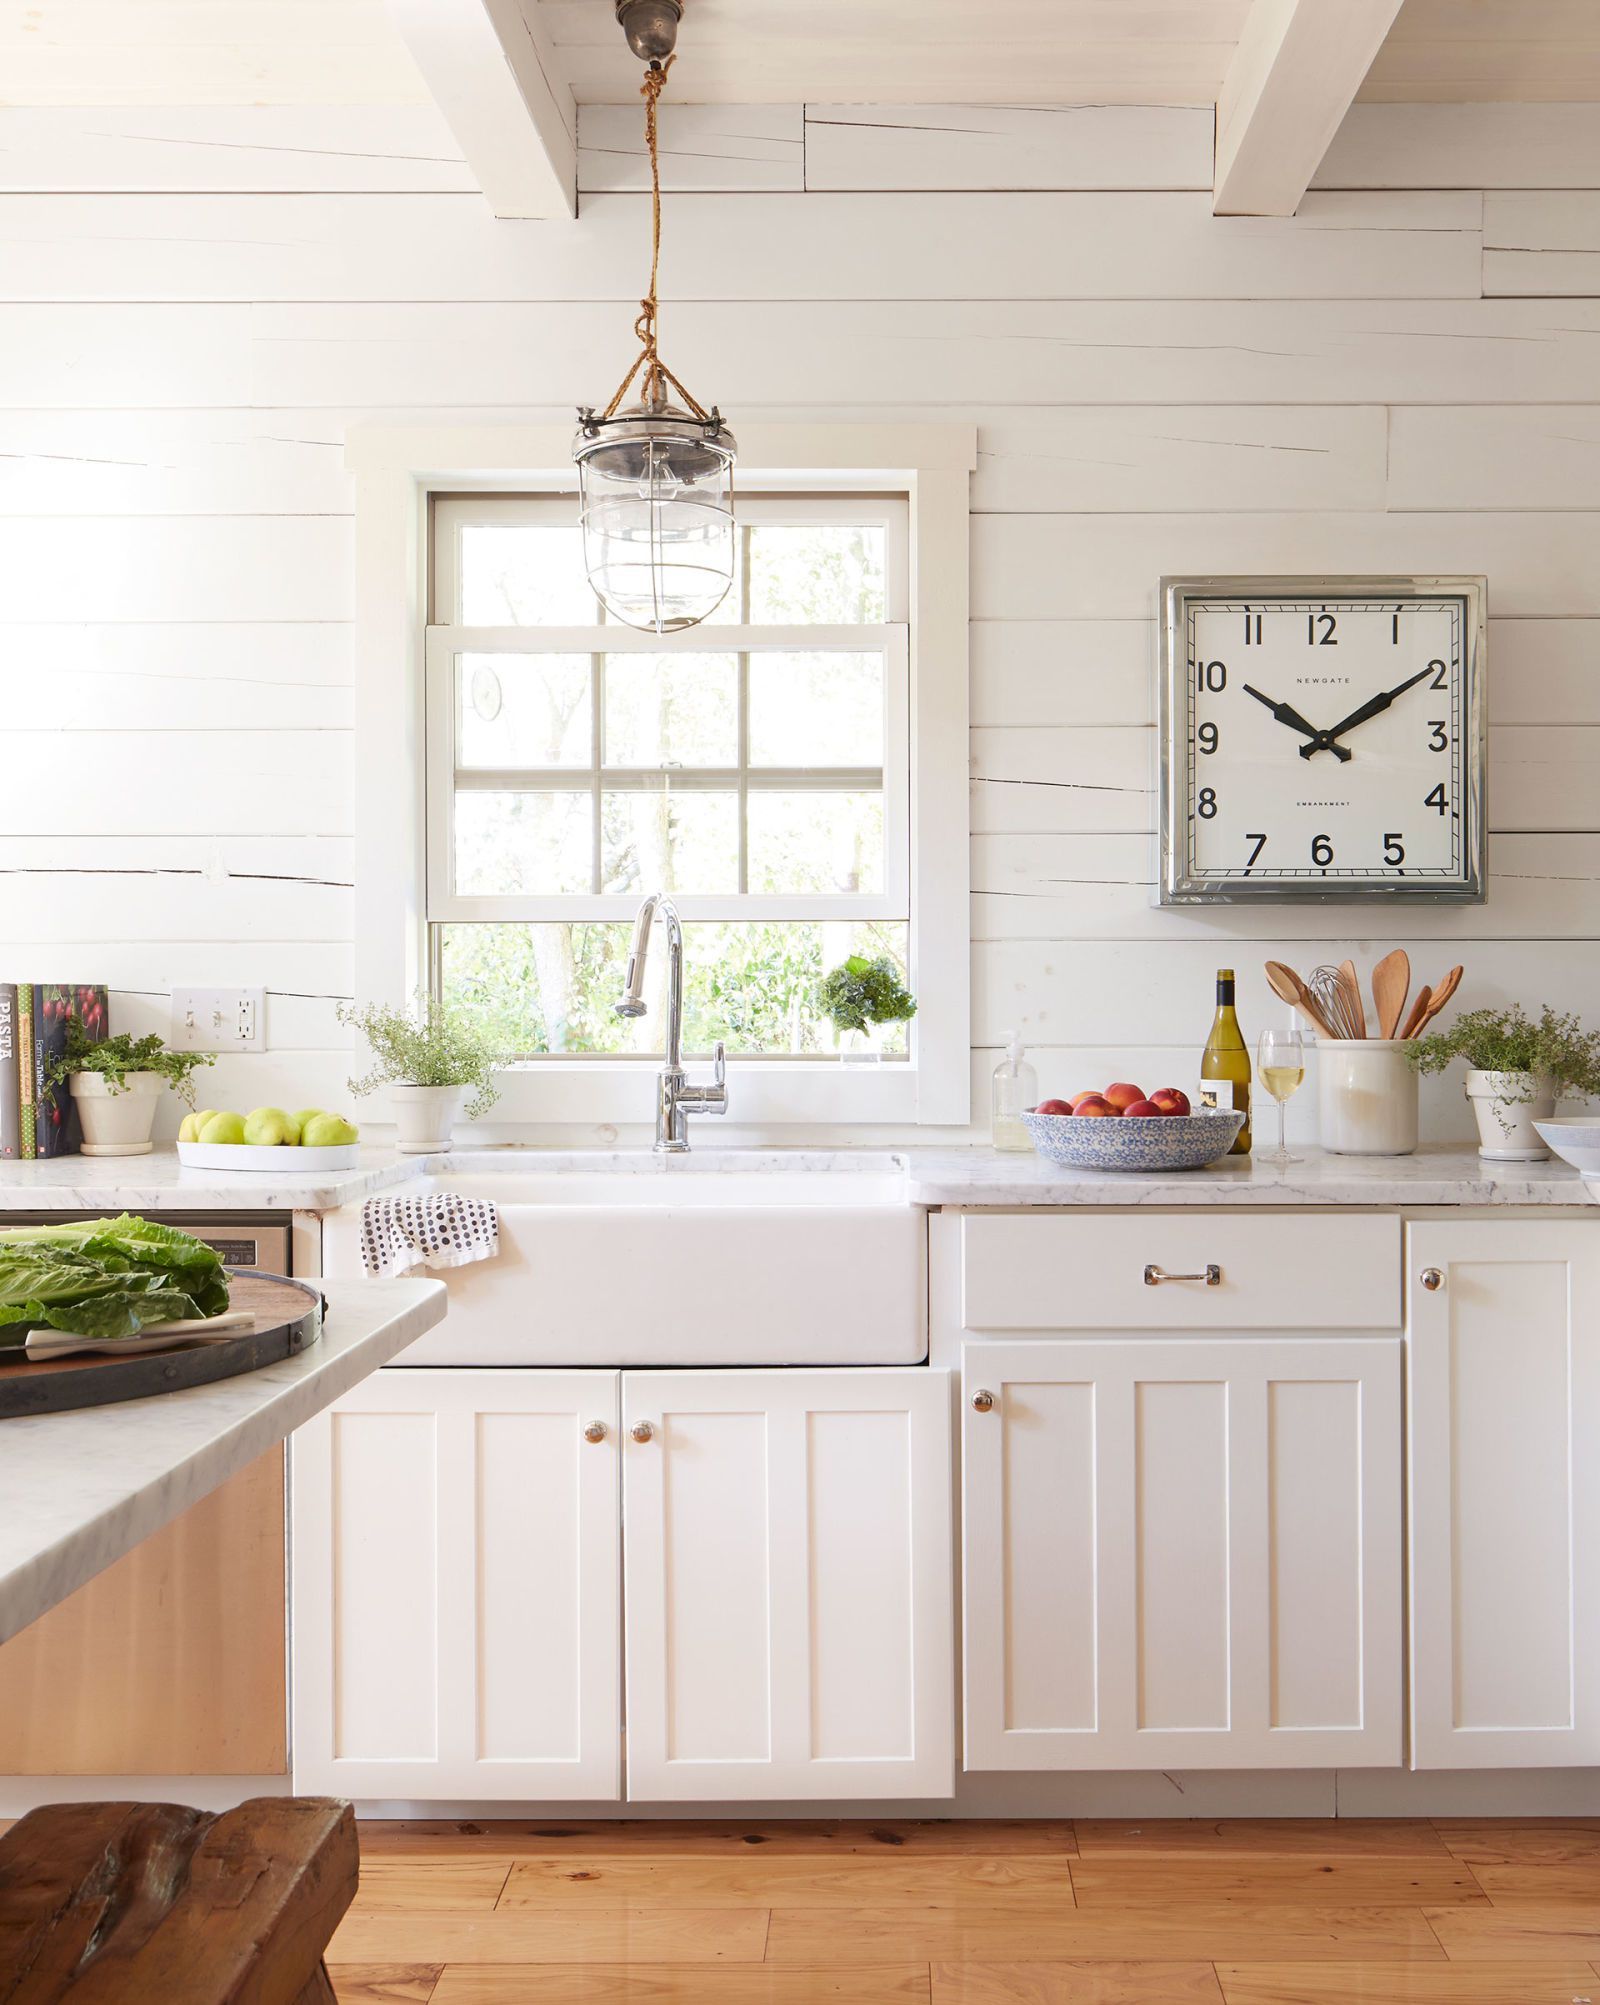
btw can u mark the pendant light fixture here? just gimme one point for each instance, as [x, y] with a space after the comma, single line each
[655, 478]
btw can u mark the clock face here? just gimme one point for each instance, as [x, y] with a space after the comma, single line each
[1322, 745]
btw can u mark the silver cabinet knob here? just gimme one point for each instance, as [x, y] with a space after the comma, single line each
[595, 1431]
[983, 1402]
[642, 1431]
[1432, 1279]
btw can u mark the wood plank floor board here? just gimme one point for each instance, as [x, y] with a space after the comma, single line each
[559, 1838]
[1404, 1984]
[384, 1983]
[1257, 1881]
[432, 1883]
[1016, 1932]
[1545, 1841]
[1096, 1983]
[1508, 1886]
[554, 1935]
[767, 1880]
[1521, 1931]
[1328, 1837]
[688, 1984]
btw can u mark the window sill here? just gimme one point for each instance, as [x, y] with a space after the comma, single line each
[768, 1093]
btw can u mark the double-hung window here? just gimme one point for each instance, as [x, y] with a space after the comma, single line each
[756, 767]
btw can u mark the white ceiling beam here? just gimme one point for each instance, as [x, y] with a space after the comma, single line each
[1293, 77]
[491, 69]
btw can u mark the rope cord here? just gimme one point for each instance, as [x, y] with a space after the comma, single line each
[656, 373]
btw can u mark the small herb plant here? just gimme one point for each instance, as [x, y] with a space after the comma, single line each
[439, 1046]
[1557, 1048]
[860, 992]
[114, 1058]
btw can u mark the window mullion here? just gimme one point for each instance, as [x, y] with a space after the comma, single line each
[597, 759]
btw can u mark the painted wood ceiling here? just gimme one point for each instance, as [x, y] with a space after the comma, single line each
[1152, 52]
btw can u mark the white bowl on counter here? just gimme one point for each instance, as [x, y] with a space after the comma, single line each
[1134, 1141]
[264, 1156]
[1575, 1138]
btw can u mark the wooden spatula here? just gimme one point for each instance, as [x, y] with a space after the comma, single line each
[1284, 982]
[1419, 1011]
[1391, 978]
[1441, 996]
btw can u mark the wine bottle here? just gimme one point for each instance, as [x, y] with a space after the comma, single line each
[1225, 1066]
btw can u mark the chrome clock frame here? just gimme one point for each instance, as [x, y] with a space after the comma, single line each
[1180, 887]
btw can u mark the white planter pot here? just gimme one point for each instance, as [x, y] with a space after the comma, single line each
[1507, 1104]
[117, 1124]
[424, 1116]
[1366, 1097]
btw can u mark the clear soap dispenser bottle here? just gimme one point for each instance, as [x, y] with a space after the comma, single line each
[1015, 1093]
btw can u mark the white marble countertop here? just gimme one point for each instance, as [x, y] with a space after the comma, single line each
[1450, 1176]
[78, 1490]
[1442, 1175]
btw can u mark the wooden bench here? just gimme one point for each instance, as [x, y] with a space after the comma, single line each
[155, 1904]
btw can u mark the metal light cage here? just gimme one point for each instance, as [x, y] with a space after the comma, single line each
[655, 500]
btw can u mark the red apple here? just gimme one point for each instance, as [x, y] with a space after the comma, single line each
[1054, 1107]
[1122, 1096]
[1170, 1100]
[1096, 1106]
[1142, 1108]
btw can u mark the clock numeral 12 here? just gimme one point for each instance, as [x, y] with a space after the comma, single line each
[1328, 636]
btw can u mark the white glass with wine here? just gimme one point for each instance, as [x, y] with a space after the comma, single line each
[1281, 1066]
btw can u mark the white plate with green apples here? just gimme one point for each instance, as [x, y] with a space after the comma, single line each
[268, 1138]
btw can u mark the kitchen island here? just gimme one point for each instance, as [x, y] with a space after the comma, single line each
[78, 1490]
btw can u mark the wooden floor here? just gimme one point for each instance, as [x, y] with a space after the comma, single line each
[1453, 1912]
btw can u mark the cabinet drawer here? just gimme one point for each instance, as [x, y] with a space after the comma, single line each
[1087, 1270]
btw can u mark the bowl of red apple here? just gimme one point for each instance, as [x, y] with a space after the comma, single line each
[1122, 1129]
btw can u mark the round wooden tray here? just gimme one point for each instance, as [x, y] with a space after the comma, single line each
[288, 1318]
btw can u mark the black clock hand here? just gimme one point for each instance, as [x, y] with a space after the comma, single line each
[1372, 708]
[1286, 714]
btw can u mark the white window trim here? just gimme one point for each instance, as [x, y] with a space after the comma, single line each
[397, 468]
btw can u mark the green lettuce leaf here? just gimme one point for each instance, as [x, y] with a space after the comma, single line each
[105, 1277]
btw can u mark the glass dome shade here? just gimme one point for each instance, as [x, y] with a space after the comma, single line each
[655, 487]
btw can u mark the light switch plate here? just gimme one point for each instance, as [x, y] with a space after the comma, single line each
[219, 1020]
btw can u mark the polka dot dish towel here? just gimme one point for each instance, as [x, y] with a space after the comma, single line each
[399, 1233]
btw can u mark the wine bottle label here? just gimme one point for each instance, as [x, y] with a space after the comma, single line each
[1225, 1096]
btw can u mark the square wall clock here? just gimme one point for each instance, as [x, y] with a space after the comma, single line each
[1322, 739]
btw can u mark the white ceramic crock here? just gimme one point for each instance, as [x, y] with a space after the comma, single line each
[117, 1123]
[1507, 1104]
[424, 1116]
[1366, 1096]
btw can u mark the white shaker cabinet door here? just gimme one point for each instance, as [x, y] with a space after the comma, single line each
[788, 1563]
[1182, 1554]
[1503, 1335]
[456, 1588]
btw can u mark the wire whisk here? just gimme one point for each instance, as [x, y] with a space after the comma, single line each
[1335, 1001]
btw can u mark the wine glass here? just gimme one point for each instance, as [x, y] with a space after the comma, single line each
[1280, 1066]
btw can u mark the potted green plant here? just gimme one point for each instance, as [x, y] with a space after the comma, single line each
[1517, 1070]
[429, 1061]
[117, 1085]
[859, 997]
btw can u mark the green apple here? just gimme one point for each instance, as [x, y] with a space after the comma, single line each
[329, 1131]
[304, 1118]
[292, 1126]
[266, 1127]
[226, 1128]
[189, 1129]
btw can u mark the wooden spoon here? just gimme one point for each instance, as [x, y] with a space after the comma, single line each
[1286, 984]
[1391, 978]
[1441, 996]
[1350, 990]
[1419, 1011]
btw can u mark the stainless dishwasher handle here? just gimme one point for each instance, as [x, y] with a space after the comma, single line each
[1211, 1275]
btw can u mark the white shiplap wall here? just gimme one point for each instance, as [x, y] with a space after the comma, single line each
[1406, 377]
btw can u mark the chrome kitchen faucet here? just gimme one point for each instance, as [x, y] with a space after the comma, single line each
[676, 1099]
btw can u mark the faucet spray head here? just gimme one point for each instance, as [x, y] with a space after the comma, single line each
[632, 1002]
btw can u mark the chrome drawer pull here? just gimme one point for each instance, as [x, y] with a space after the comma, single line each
[1211, 1275]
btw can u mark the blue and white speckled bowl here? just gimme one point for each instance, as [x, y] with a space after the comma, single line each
[1137, 1142]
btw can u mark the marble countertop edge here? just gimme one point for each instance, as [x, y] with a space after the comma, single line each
[80, 1489]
